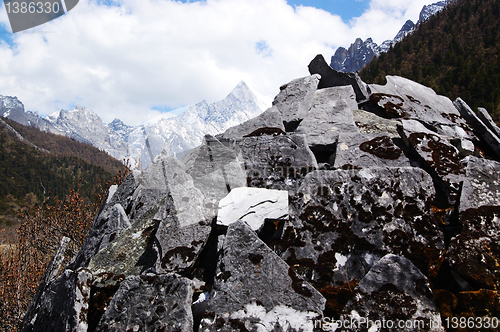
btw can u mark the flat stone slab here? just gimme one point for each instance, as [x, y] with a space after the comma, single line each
[368, 150]
[150, 303]
[254, 288]
[474, 253]
[330, 114]
[404, 292]
[406, 99]
[438, 153]
[253, 206]
[295, 99]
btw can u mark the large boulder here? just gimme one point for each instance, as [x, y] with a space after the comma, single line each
[396, 295]
[276, 162]
[63, 305]
[150, 303]
[346, 220]
[475, 252]
[254, 289]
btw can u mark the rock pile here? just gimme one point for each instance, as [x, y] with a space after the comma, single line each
[343, 202]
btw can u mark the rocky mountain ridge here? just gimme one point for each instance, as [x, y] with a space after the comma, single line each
[362, 52]
[344, 202]
[141, 144]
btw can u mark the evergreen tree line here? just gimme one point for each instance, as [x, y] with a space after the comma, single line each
[56, 167]
[455, 52]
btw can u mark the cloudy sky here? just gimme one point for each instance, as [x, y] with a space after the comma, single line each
[134, 58]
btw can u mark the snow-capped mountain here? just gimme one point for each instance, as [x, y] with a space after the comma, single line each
[141, 144]
[362, 52]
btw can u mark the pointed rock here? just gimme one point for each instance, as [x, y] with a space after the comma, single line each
[150, 303]
[369, 123]
[255, 289]
[404, 292]
[110, 222]
[346, 220]
[331, 78]
[295, 99]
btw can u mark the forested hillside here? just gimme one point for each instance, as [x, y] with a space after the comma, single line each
[456, 52]
[42, 165]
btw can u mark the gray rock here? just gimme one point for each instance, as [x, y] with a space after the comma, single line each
[295, 99]
[488, 121]
[150, 303]
[253, 206]
[394, 290]
[254, 289]
[276, 162]
[331, 78]
[215, 170]
[441, 157]
[346, 220]
[370, 123]
[481, 128]
[475, 252]
[109, 223]
[269, 122]
[63, 305]
[330, 114]
[464, 146]
[406, 99]
[368, 150]
[126, 255]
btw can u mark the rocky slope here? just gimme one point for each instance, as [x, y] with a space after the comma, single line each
[141, 144]
[362, 52]
[342, 201]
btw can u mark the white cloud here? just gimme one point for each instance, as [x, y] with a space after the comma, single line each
[121, 61]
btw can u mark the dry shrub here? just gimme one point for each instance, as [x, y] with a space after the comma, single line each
[23, 264]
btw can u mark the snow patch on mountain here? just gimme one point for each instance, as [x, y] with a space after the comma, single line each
[141, 144]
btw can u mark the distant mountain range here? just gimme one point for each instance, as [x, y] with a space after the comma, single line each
[141, 144]
[362, 52]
